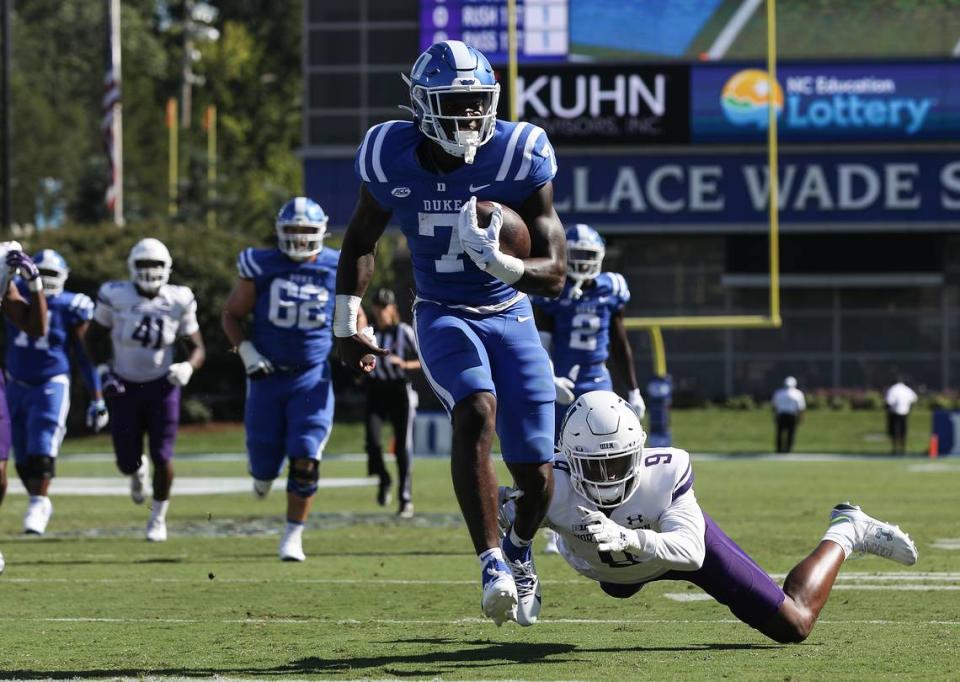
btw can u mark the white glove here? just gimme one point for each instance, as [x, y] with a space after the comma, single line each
[480, 244]
[636, 402]
[607, 535]
[179, 373]
[565, 385]
[506, 508]
[97, 415]
[255, 364]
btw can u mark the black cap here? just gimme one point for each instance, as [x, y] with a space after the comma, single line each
[384, 297]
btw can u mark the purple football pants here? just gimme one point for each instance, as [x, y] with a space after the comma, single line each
[152, 408]
[728, 575]
[5, 435]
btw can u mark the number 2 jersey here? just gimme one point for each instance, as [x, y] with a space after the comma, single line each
[294, 305]
[581, 327]
[143, 329]
[35, 360]
[664, 502]
[512, 166]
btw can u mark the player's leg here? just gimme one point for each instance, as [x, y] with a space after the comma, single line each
[791, 431]
[46, 416]
[6, 438]
[265, 427]
[525, 416]
[309, 420]
[402, 411]
[456, 364]
[127, 426]
[163, 420]
[373, 440]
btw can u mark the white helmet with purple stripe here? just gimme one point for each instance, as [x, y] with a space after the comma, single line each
[453, 97]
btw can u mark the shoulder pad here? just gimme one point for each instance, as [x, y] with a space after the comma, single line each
[247, 266]
[371, 157]
[526, 145]
[618, 286]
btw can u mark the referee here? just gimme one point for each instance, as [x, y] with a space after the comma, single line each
[390, 396]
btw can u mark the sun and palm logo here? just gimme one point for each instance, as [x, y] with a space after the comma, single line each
[745, 97]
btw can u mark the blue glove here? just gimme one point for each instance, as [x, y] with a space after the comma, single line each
[97, 416]
[18, 260]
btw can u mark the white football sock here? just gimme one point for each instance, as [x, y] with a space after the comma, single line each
[494, 553]
[293, 528]
[843, 535]
[158, 509]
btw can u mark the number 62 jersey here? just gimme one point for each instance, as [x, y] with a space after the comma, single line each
[294, 305]
[143, 329]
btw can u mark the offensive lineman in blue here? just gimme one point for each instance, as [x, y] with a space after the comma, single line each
[289, 410]
[38, 392]
[478, 343]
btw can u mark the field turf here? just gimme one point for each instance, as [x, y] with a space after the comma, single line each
[384, 598]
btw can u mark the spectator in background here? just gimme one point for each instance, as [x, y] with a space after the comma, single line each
[390, 396]
[900, 398]
[788, 407]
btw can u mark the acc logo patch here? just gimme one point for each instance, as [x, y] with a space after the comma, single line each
[400, 192]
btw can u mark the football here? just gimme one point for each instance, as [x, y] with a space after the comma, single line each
[514, 235]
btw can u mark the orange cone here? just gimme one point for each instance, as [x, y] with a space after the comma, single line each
[934, 445]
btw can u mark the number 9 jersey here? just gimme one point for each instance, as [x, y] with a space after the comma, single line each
[144, 329]
[294, 306]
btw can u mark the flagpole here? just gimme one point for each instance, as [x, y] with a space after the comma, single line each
[113, 114]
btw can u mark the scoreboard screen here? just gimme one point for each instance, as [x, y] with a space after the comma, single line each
[543, 32]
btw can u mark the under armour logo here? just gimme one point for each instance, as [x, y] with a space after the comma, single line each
[636, 520]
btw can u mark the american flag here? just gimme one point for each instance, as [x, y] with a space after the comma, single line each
[110, 121]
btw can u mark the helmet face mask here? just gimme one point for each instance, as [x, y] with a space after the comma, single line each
[453, 97]
[585, 252]
[602, 440]
[150, 264]
[53, 271]
[301, 226]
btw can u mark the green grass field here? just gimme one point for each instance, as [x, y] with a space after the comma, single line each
[383, 598]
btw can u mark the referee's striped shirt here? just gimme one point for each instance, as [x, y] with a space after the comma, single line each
[400, 340]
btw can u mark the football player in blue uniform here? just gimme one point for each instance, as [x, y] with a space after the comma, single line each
[478, 343]
[289, 410]
[28, 315]
[584, 327]
[38, 393]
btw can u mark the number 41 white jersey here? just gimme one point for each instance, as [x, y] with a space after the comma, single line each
[143, 330]
[663, 502]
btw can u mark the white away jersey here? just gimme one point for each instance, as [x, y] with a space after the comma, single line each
[663, 502]
[143, 330]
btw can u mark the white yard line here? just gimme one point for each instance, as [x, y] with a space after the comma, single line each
[185, 485]
[730, 32]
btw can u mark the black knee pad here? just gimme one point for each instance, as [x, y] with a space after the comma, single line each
[302, 480]
[38, 467]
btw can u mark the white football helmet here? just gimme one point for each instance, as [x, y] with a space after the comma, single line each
[301, 226]
[585, 252]
[150, 264]
[53, 271]
[5, 274]
[602, 440]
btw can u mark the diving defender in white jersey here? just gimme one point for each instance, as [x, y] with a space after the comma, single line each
[627, 515]
[479, 346]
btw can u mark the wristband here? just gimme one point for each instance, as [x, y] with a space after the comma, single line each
[35, 285]
[633, 396]
[345, 315]
[103, 368]
[508, 269]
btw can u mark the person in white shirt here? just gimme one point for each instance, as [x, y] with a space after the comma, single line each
[627, 515]
[138, 321]
[788, 406]
[900, 398]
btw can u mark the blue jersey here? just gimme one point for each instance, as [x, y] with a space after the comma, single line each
[514, 164]
[581, 327]
[34, 360]
[294, 307]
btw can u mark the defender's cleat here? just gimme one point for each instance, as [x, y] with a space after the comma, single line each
[157, 530]
[527, 582]
[37, 516]
[138, 482]
[406, 510]
[291, 546]
[872, 536]
[551, 546]
[499, 600]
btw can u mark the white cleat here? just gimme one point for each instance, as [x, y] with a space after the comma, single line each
[875, 537]
[528, 590]
[3, 564]
[499, 600]
[291, 547]
[551, 537]
[138, 482]
[261, 488]
[38, 516]
[157, 530]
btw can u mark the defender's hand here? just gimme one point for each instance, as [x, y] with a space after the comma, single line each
[607, 535]
[18, 260]
[506, 508]
[255, 364]
[97, 415]
[360, 351]
[636, 402]
[111, 384]
[565, 386]
[179, 373]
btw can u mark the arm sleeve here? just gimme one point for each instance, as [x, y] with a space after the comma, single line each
[188, 321]
[680, 543]
[103, 313]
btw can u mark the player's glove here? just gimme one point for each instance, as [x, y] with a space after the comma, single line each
[256, 365]
[482, 245]
[506, 508]
[565, 385]
[607, 535]
[111, 384]
[179, 373]
[636, 402]
[18, 260]
[97, 415]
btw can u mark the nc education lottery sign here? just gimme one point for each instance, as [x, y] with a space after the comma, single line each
[867, 102]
